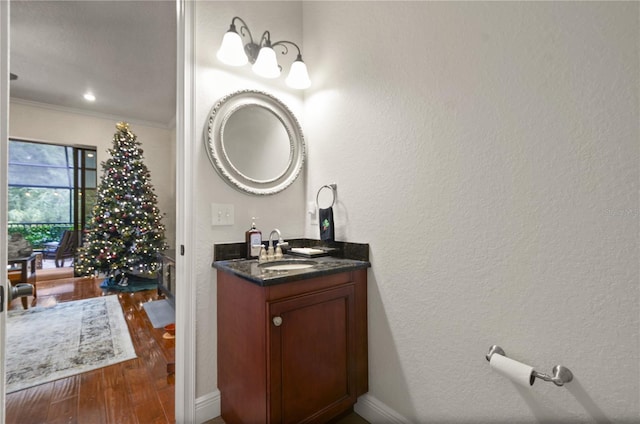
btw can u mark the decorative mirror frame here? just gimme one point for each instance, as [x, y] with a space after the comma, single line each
[214, 140]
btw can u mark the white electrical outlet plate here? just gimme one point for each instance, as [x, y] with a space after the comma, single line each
[222, 214]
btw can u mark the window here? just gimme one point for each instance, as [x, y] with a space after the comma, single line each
[40, 183]
[51, 189]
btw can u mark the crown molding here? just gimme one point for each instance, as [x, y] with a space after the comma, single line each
[93, 114]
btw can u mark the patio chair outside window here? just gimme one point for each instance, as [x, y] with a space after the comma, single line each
[65, 249]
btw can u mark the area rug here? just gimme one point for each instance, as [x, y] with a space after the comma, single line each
[160, 313]
[46, 344]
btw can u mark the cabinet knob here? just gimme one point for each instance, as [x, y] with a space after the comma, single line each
[277, 321]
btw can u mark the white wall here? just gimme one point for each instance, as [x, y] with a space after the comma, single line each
[55, 125]
[284, 210]
[488, 152]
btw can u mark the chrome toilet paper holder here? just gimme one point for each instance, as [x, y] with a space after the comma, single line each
[561, 374]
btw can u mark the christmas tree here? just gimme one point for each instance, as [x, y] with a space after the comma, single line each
[124, 234]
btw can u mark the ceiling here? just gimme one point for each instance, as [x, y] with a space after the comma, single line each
[124, 52]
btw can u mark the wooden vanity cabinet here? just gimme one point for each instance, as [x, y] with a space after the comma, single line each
[292, 352]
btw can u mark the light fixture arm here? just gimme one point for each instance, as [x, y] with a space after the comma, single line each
[242, 28]
[266, 38]
[251, 49]
[286, 50]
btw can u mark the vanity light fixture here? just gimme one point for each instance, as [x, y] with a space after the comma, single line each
[89, 97]
[234, 52]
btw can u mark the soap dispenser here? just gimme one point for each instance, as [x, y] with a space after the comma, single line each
[253, 238]
[263, 255]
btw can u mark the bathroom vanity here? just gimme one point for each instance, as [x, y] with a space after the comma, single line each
[292, 343]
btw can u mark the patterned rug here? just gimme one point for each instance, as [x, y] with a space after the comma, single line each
[46, 344]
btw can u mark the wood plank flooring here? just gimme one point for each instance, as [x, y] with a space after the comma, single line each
[135, 391]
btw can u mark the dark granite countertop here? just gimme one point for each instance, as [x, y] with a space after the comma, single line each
[248, 269]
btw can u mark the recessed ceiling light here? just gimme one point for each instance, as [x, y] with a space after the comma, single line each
[89, 97]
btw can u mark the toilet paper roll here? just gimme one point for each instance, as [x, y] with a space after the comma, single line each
[513, 370]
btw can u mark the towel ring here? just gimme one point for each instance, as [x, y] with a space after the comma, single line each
[334, 189]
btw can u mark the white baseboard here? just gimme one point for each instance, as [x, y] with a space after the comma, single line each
[208, 407]
[376, 412]
[368, 407]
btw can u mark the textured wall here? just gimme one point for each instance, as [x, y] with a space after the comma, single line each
[488, 152]
[60, 126]
[284, 210]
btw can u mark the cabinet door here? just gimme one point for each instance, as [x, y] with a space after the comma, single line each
[312, 356]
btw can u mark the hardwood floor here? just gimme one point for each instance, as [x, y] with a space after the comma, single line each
[135, 391]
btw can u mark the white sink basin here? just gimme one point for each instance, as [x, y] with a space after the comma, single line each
[287, 265]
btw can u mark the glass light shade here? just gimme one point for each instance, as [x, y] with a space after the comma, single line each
[231, 50]
[266, 64]
[298, 76]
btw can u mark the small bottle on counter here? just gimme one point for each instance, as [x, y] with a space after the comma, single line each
[263, 255]
[253, 238]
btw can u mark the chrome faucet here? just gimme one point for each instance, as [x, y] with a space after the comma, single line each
[275, 230]
[277, 253]
[280, 242]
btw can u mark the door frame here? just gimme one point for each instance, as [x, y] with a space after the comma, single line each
[185, 401]
[4, 160]
[185, 389]
[79, 203]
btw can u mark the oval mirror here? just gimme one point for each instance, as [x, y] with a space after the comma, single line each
[255, 142]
